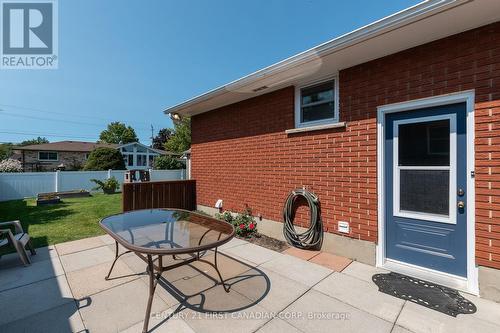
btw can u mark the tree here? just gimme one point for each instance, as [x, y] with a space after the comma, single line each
[167, 162]
[118, 133]
[10, 165]
[180, 141]
[36, 141]
[5, 150]
[104, 158]
[163, 135]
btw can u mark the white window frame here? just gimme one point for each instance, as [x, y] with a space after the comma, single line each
[48, 160]
[298, 103]
[451, 218]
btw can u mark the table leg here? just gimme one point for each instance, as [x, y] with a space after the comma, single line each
[114, 261]
[226, 288]
[152, 287]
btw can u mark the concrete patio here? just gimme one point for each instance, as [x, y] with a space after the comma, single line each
[64, 291]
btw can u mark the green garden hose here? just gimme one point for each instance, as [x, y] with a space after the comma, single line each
[312, 238]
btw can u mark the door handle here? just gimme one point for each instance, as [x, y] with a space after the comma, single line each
[461, 204]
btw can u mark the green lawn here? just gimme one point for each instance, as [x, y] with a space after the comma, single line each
[70, 220]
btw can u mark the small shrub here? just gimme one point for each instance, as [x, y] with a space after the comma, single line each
[10, 165]
[109, 186]
[167, 162]
[243, 222]
[104, 158]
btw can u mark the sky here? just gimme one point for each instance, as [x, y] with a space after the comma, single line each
[129, 60]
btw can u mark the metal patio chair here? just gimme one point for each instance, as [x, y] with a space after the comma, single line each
[20, 240]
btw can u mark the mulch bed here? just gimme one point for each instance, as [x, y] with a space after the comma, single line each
[267, 242]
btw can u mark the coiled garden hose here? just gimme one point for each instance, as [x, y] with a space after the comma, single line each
[312, 238]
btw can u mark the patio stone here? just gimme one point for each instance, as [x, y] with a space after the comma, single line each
[181, 272]
[107, 239]
[342, 317]
[163, 322]
[253, 253]
[36, 300]
[420, 319]
[163, 290]
[25, 301]
[136, 264]
[79, 260]
[185, 288]
[79, 245]
[272, 291]
[118, 308]
[399, 329]
[42, 253]
[300, 253]
[229, 266]
[20, 275]
[336, 263]
[362, 295]
[297, 269]
[486, 309]
[217, 311]
[232, 243]
[363, 271]
[90, 280]
[61, 319]
[278, 325]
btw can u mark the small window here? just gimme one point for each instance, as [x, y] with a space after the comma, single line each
[316, 104]
[48, 156]
[87, 156]
[141, 149]
[141, 160]
[129, 159]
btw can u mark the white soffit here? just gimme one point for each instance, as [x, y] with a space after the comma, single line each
[417, 25]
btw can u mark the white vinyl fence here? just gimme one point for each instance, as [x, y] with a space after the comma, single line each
[28, 184]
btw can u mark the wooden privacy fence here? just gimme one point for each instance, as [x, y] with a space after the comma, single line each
[165, 194]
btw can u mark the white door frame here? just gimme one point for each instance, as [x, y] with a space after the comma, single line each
[470, 283]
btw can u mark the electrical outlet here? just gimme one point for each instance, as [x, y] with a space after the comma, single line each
[343, 227]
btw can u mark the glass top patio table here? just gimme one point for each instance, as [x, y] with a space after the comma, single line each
[167, 231]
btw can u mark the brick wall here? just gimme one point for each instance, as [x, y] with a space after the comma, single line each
[242, 155]
[71, 160]
[488, 183]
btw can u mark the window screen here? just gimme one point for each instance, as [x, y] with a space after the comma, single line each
[47, 156]
[318, 102]
[425, 191]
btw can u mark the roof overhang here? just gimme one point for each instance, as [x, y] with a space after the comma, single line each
[425, 22]
[158, 151]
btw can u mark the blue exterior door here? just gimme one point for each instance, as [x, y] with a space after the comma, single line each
[426, 190]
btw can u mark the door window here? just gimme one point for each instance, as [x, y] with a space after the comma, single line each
[425, 168]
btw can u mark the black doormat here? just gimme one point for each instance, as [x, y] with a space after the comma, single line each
[430, 295]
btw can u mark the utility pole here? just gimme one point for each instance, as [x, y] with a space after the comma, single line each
[152, 135]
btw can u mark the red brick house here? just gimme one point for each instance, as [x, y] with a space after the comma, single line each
[395, 126]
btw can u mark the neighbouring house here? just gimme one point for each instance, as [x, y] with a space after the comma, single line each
[138, 156]
[395, 126]
[72, 155]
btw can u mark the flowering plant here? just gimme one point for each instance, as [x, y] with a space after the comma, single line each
[10, 165]
[243, 222]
